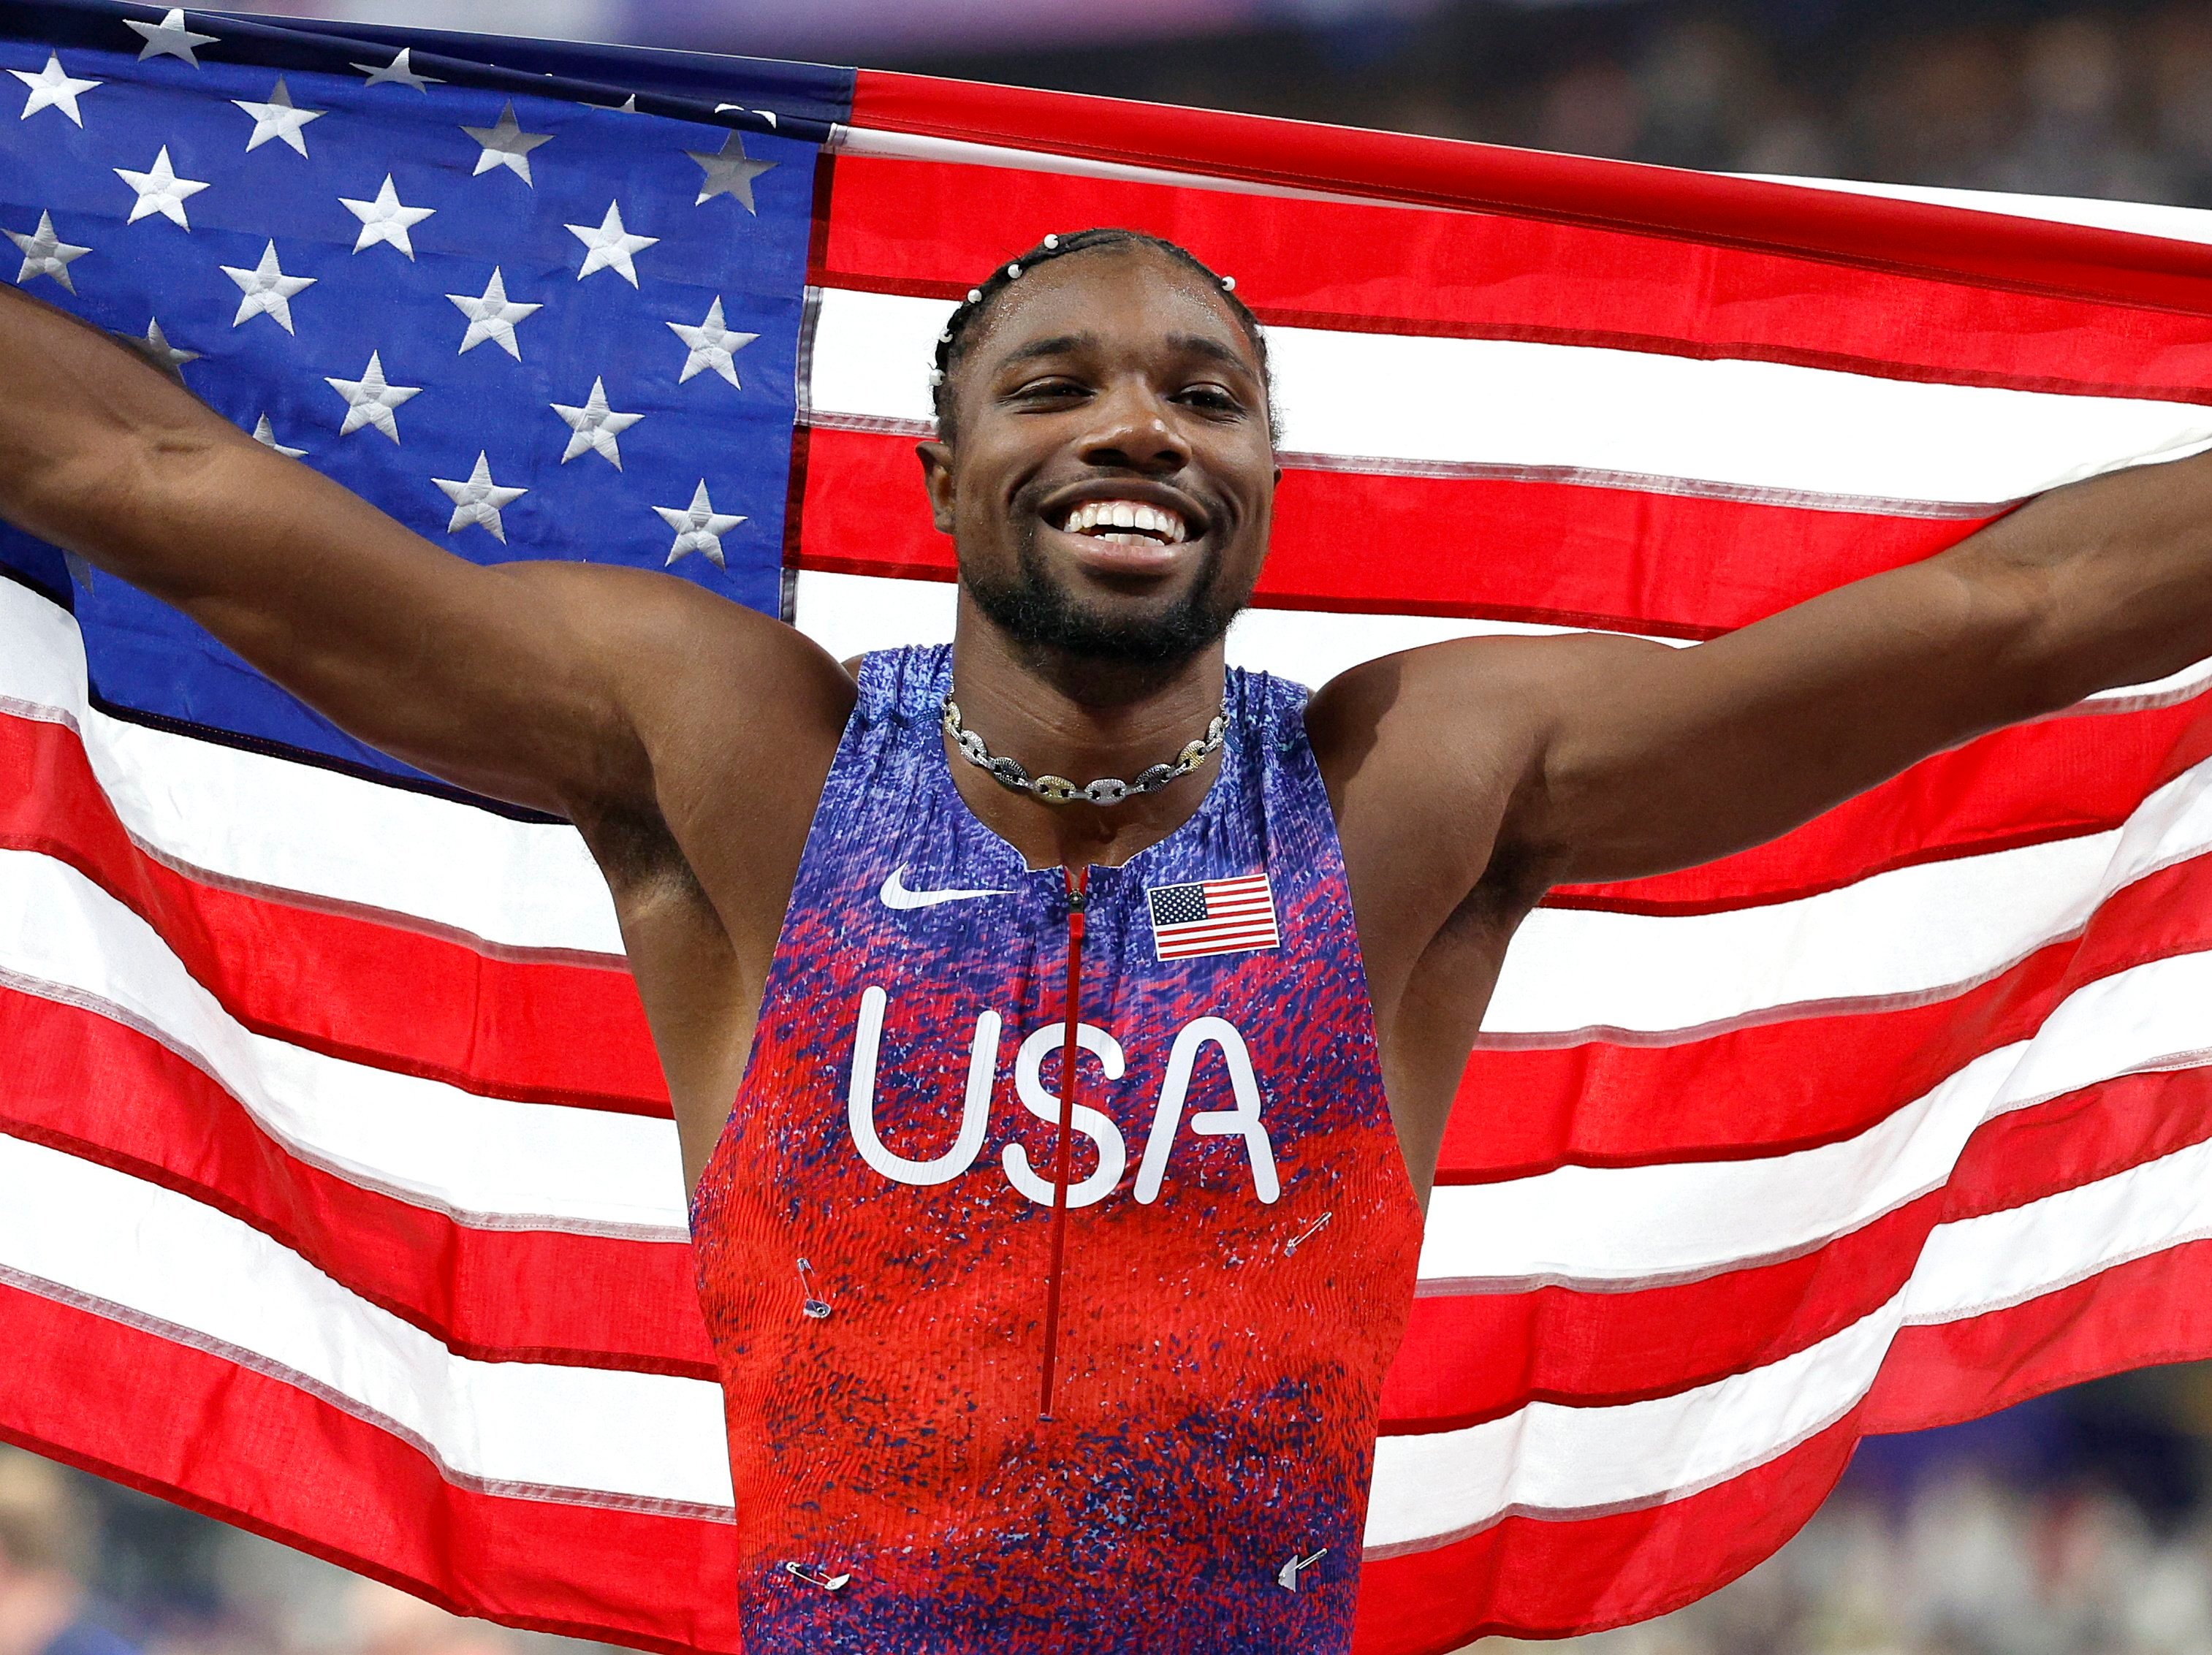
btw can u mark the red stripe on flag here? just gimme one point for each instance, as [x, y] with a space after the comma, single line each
[1559, 553]
[355, 985]
[1555, 1578]
[117, 1097]
[2150, 1310]
[1890, 237]
[210, 1431]
[931, 229]
[2081, 774]
[1777, 1086]
[1470, 1357]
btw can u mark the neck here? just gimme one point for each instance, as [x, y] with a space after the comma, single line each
[1063, 717]
[35, 1606]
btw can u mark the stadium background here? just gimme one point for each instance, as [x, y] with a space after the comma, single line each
[2080, 1523]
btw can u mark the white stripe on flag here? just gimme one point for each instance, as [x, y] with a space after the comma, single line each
[1610, 1229]
[1778, 430]
[72, 1229]
[849, 615]
[1552, 1460]
[250, 818]
[483, 1160]
[1921, 930]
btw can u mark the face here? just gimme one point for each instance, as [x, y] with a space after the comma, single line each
[1109, 480]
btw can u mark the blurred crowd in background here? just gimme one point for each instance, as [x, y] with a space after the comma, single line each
[2112, 100]
[2079, 1524]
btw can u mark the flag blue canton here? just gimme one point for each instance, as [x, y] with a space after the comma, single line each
[524, 325]
[1177, 904]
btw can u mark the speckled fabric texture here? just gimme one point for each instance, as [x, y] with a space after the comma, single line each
[1241, 1247]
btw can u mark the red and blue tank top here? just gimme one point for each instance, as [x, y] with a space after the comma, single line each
[874, 1231]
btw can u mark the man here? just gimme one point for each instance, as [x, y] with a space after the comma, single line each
[47, 1529]
[1099, 1371]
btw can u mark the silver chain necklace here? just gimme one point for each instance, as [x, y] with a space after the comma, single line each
[1058, 789]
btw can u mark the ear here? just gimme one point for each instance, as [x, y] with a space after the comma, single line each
[936, 460]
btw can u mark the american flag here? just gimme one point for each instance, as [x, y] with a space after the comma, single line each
[1215, 916]
[337, 1191]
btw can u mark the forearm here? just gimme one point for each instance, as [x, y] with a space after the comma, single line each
[2105, 583]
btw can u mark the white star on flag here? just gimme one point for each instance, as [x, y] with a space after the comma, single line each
[506, 144]
[265, 290]
[699, 528]
[160, 191]
[712, 345]
[493, 317]
[169, 37]
[609, 247]
[278, 119]
[386, 219]
[768, 115]
[265, 435]
[44, 253]
[400, 71]
[595, 426]
[478, 500]
[371, 398]
[155, 346]
[729, 172]
[53, 89]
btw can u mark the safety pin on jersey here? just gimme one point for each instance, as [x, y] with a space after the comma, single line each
[811, 1303]
[1306, 1234]
[1287, 1576]
[814, 1577]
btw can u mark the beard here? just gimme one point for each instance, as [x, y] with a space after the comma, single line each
[1040, 615]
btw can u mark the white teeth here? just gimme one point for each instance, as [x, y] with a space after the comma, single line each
[1158, 522]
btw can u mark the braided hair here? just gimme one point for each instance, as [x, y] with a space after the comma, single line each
[960, 331]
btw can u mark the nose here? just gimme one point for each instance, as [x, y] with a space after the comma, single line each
[1134, 429]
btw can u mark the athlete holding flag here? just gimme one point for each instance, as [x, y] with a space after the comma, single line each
[1091, 1011]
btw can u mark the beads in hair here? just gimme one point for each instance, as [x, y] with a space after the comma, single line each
[967, 316]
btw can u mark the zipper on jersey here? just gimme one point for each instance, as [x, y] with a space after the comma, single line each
[1078, 883]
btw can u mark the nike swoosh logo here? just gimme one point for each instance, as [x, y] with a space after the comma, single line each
[896, 895]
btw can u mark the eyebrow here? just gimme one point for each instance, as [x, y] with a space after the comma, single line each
[1197, 344]
[1063, 344]
[1060, 344]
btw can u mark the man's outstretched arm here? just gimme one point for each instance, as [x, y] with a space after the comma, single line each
[528, 682]
[1623, 758]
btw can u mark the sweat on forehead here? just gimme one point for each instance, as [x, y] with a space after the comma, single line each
[965, 324]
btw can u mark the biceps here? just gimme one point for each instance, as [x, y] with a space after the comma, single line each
[478, 676]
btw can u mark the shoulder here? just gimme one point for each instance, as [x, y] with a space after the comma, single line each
[676, 649]
[1429, 754]
[1490, 695]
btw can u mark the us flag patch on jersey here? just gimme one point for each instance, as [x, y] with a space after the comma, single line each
[1216, 916]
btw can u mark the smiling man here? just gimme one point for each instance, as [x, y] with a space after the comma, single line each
[1091, 1012]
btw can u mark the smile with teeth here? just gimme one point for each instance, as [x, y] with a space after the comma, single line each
[1127, 522]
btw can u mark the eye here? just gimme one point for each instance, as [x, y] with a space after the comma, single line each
[1212, 399]
[1051, 388]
